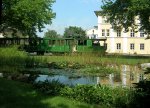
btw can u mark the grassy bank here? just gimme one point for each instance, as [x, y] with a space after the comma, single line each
[12, 60]
[20, 95]
[11, 56]
[91, 59]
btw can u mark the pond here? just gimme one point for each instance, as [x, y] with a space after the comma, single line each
[127, 77]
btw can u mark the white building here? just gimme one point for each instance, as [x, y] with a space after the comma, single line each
[118, 41]
[92, 33]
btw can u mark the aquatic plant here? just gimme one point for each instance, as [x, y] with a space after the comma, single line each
[98, 70]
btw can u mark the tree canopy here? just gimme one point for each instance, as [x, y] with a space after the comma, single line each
[74, 32]
[27, 16]
[51, 34]
[123, 12]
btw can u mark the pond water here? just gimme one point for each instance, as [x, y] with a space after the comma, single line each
[127, 77]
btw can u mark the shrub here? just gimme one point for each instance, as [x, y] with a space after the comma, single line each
[104, 95]
[49, 87]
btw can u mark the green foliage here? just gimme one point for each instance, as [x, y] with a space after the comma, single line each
[11, 57]
[51, 34]
[99, 70]
[49, 87]
[123, 12]
[92, 94]
[74, 32]
[64, 65]
[27, 16]
[103, 95]
[12, 60]
[142, 96]
[22, 95]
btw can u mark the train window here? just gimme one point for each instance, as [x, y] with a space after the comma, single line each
[62, 42]
[51, 42]
[95, 43]
[82, 42]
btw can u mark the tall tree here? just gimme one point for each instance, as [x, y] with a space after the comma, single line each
[51, 34]
[74, 32]
[27, 16]
[123, 12]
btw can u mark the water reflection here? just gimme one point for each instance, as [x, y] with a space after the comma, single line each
[65, 79]
[127, 77]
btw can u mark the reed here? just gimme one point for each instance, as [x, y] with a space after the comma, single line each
[93, 59]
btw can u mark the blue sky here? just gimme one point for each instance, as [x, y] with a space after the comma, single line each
[73, 13]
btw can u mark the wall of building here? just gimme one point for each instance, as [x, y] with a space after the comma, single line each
[92, 33]
[125, 39]
[126, 45]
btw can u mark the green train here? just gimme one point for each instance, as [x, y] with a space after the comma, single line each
[56, 45]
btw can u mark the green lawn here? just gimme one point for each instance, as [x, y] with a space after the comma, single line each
[21, 95]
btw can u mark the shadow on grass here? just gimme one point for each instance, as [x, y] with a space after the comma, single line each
[19, 95]
[15, 94]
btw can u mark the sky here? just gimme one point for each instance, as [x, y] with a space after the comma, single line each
[78, 13]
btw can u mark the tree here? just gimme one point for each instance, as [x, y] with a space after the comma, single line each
[51, 34]
[27, 16]
[123, 12]
[74, 32]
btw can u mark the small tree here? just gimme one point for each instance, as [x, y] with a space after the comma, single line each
[74, 32]
[51, 34]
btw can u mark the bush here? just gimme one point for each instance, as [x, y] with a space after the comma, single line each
[103, 95]
[49, 87]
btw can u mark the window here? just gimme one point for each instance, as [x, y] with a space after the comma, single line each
[107, 32]
[132, 33]
[118, 33]
[132, 46]
[61, 42]
[141, 33]
[118, 46]
[52, 42]
[103, 32]
[82, 42]
[95, 43]
[141, 46]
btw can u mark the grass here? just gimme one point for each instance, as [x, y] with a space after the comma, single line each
[12, 60]
[96, 60]
[11, 56]
[21, 95]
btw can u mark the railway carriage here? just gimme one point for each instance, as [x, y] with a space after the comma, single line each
[56, 45]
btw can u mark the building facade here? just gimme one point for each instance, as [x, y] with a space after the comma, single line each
[118, 41]
[92, 33]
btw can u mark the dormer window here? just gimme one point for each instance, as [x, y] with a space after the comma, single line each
[141, 33]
